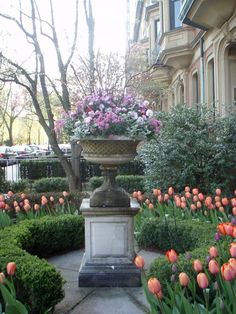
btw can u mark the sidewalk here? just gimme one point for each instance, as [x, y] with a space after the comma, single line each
[97, 300]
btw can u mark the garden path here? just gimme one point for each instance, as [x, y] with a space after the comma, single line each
[97, 300]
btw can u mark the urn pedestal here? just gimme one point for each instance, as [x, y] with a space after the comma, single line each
[109, 225]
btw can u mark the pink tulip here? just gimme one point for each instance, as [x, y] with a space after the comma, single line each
[218, 192]
[154, 285]
[65, 193]
[197, 265]
[139, 261]
[10, 193]
[225, 201]
[200, 197]
[213, 267]
[11, 268]
[184, 279]
[233, 249]
[213, 251]
[227, 272]
[202, 280]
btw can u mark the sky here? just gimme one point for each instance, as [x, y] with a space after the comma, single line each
[110, 24]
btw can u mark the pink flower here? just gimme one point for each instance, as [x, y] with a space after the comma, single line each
[202, 280]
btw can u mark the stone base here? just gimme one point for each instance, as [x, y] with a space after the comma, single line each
[98, 275]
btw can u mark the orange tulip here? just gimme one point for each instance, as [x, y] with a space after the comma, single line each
[150, 206]
[233, 249]
[17, 209]
[213, 251]
[197, 265]
[202, 280]
[195, 191]
[227, 272]
[218, 192]
[11, 268]
[208, 201]
[139, 261]
[225, 201]
[154, 285]
[213, 267]
[2, 277]
[171, 256]
[184, 279]
[27, 207]
[221, 228]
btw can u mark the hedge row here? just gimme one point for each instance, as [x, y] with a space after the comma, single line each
[130, 183]
[38, 283]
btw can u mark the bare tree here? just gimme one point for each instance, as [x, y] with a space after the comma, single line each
[109, 73]
[36, 80]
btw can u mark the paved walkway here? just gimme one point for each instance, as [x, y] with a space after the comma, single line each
[97, 300]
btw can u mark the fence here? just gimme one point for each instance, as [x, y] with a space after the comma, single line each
[37, 168]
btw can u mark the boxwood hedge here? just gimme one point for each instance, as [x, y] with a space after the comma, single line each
[38, 283]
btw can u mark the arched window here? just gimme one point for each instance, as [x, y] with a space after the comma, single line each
[195, 90]
[211, 83]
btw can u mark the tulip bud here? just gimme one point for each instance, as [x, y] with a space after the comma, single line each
[197, 265]
[11, 268]
[200, 197]
[154, 285]
[213, 251]
[171, 256]
[36, 207]
[187, 189]
[218, 192]
[150, 206]
[139, 261]
[195, 191]
[227, 272]
[225, 201]
[202, 280]
[183, 279]
[213, 267]
[233, 249]
[61, 201]
[171, 191]
[2, 277]
[65, 194]
[51, 199]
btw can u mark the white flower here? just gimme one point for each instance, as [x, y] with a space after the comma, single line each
[101, 107]
[133, 114]
[140, 120]
[87, 120]
[149, 113]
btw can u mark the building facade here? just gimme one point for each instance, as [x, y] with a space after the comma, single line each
[190, 47]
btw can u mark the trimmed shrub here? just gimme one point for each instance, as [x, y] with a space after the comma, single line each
[38, 283]
[193, 148]
[128, 182]
[181, 235]
[19, 186]
[51, 184]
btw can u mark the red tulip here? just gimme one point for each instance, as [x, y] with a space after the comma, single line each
[202, 280]
[184, 279]
[213, 267]
[197, 265]
[139, 261]
[154, 285]
[233, 249]
[213, 251]
[11, 268]
[221, 228]
[172, 256]
[227, 272]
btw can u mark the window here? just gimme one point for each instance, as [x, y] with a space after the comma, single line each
[157, 30]
[195, 90]
[175, 6]
[211, 83]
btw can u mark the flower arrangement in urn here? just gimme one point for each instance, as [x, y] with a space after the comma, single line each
[105, 114]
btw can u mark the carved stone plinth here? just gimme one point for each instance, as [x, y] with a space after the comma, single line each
[109, 247]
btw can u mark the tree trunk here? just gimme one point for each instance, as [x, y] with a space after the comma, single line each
[76, 151]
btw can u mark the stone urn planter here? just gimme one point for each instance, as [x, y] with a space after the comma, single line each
[109, 153]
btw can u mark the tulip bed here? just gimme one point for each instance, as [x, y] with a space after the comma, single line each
[38, 284]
